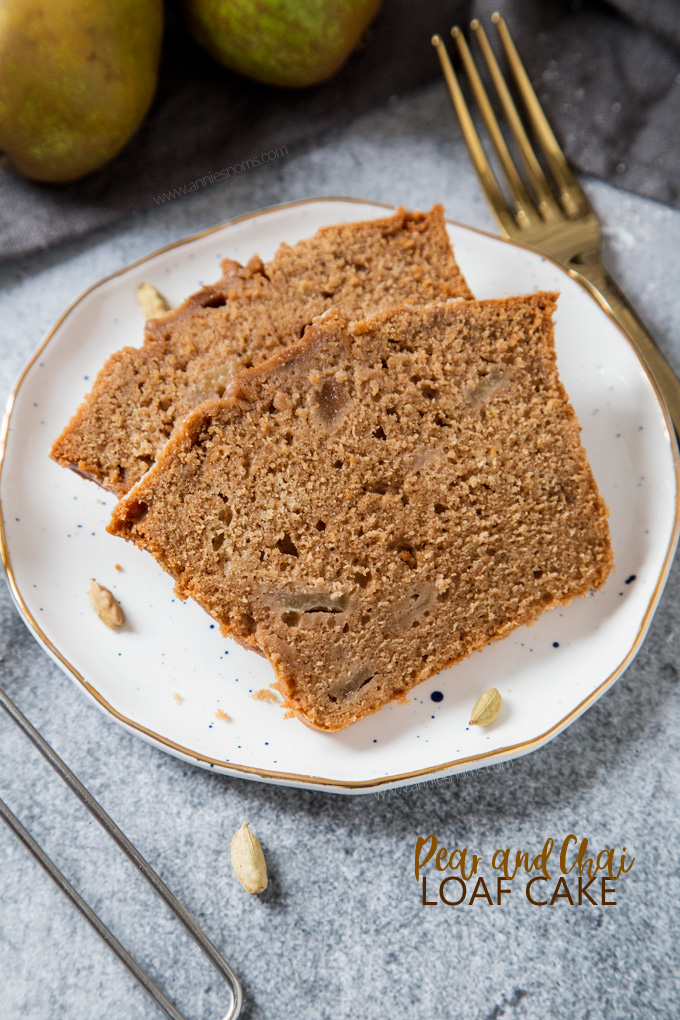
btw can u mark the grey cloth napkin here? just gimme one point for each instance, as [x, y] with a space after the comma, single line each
[608, 75]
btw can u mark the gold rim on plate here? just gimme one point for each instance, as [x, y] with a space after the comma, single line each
[229, 768]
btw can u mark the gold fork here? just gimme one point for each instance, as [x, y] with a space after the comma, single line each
[557, 221]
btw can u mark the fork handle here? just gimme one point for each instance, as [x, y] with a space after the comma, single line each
[604, 289]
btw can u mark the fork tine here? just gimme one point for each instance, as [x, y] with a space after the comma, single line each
[481, 164]
[524, 208]
[573, 199]
[546, 200]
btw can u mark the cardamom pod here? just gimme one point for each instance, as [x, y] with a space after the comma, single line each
[151, 301]
[487, 708]
[105, 605]
[248, 860]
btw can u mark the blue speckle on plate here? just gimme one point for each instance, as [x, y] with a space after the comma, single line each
[436, 696]
[631, 579]
[556, 644]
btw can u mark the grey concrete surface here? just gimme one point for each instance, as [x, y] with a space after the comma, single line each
[342, 932]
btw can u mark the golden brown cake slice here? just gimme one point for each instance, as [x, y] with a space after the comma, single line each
[190, 354]
[380, 500]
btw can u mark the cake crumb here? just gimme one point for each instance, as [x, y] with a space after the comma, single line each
[265, 695]
[177, 698]
[219, 714]
[119, 568]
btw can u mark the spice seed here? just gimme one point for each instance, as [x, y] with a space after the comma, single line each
[487, 708]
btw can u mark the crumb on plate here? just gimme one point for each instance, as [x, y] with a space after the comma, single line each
[265, 695]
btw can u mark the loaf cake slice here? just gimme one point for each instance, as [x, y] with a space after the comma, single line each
[380, 500]
[190, 354]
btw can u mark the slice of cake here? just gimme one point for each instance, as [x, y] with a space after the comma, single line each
[380, 500]
[190, 354]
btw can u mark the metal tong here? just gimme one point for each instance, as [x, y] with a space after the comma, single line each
[119, 837]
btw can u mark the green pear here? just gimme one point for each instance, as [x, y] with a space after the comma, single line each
[294, 43]
[76, 79]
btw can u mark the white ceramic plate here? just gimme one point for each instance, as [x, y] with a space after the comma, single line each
[54, 541]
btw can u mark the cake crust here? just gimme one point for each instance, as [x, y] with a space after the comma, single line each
[190, 354]
[375, 503]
